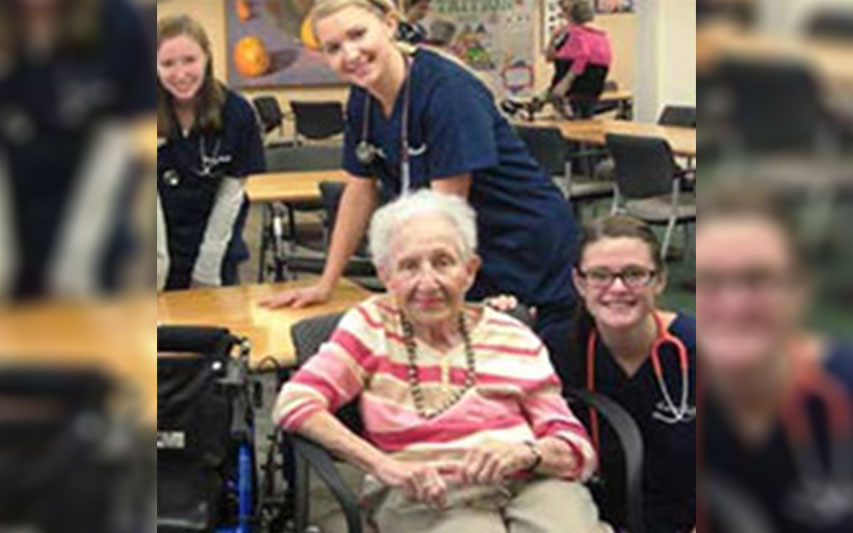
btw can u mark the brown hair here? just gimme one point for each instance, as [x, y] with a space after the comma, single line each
[211, 98]
[581, 12]
[615, 226]
[79, 21]
[611, 227]
[737, 201]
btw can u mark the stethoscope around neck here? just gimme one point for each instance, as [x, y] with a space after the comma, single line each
[367, 153]
[673, 413]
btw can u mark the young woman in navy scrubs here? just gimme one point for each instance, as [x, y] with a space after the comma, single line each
[456, 142]
[616, 348]
[208, 139]
[74, 77]
[777, 413]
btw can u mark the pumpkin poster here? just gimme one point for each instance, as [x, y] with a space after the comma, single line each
[269, 44]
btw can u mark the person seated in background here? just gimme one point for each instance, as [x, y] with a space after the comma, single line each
[624, 346]
[776, 413]
[465, 428]
[410, 29]
[581, 53]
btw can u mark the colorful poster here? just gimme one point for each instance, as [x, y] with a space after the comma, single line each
[267, 45]
[614, 6]
[493, 37]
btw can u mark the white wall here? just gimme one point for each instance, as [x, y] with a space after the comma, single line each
[665, 56]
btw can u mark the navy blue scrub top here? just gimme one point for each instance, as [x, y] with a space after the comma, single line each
[236, 151]
[526, 230]
[61, 101]
[767, 477]
[669, 473]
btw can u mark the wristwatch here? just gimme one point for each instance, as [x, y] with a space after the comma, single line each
[534, 447]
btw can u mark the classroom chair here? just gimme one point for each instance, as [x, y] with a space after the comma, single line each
[648, 184]
[317, 120]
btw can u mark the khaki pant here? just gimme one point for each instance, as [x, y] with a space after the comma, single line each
[538, 506]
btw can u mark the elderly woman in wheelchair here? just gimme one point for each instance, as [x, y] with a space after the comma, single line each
[464, 426]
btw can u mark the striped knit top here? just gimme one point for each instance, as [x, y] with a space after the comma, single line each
[516, 397]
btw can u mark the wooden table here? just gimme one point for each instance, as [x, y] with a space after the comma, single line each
[115, 337]
[682, 140]
[831, 61]
[237, 309]
[289, 186]
[624, 98]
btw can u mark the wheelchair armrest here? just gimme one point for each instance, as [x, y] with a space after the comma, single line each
[631, 441]
[321, 462]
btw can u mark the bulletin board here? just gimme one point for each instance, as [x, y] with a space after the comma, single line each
[493, 37]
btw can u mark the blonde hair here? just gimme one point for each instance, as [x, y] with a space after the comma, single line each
[324, 8]
[211, 94]
[384, 8]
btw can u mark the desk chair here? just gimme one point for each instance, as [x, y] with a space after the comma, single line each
[292, 158]
[784, 135]
[831, 24]
[270, 114]
[683, 116]
[549, 149]
[317, 120]
[648, 184]
[309, 334]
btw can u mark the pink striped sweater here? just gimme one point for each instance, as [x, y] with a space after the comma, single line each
[516, 397]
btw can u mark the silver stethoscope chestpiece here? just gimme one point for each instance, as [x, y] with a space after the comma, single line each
[172, 178]
[365, 153]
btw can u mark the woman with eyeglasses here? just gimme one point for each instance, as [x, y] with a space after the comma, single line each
[642, 357]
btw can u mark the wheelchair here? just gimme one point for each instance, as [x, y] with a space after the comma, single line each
[205, 432]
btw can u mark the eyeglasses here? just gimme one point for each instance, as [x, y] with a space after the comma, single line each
[632, 277]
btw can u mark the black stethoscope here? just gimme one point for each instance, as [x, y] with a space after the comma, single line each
[209, 161]
[670, 412]
[367, 153]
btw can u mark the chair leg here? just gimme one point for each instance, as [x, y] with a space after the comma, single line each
[670, 227]
[687, 247]
[265, 241]
[614, 206]
[301, 495]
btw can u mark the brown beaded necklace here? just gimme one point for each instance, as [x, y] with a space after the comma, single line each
[414, 381]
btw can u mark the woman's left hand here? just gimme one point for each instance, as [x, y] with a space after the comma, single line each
[490, 464]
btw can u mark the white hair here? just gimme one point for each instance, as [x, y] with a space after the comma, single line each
[425, 202]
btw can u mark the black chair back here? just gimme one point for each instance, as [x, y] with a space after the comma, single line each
[304, 157]
[775, 106]
[269, 112]
[547, 147]
[318, 120]
[831, 23]
[645, 166]
[673, 115]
